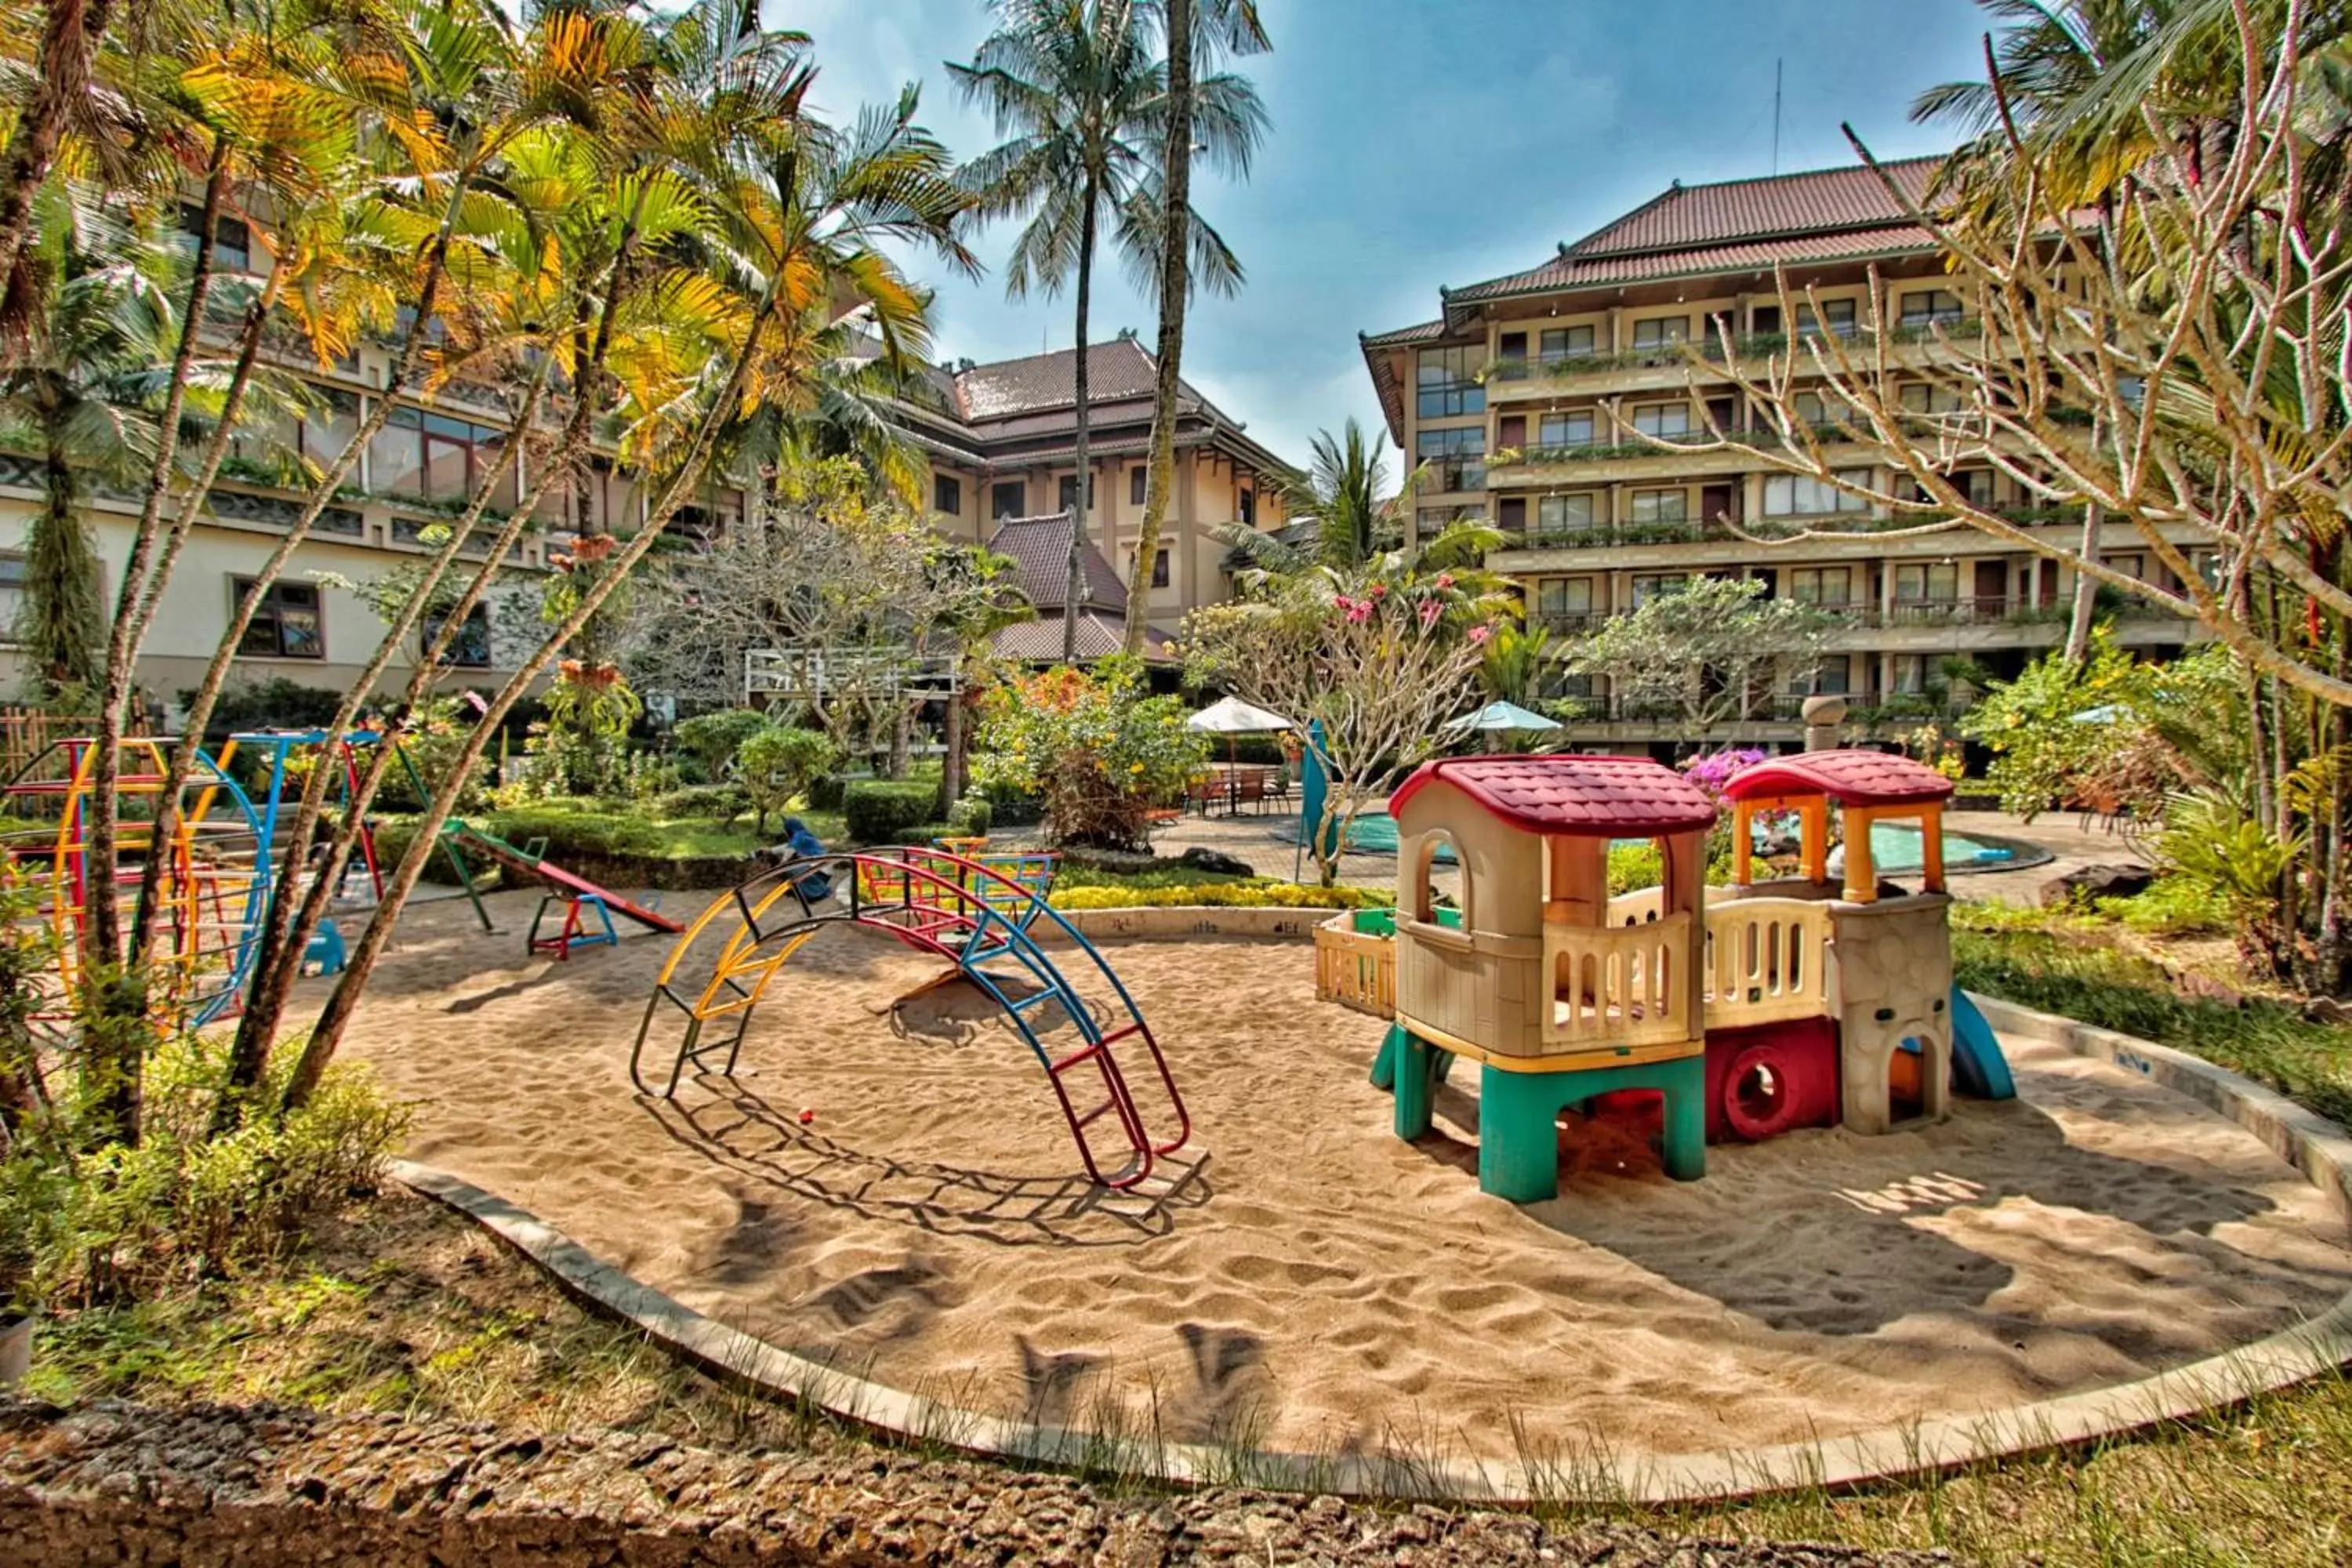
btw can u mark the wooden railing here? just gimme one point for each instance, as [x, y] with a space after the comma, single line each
[1620, 984]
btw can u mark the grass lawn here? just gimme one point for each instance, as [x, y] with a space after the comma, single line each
[405, 1308]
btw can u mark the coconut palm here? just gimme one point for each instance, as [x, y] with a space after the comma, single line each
[1229, 24]
[78, 392]
[1074, 88]
[1355, 525]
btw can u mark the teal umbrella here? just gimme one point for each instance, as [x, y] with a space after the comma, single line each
[1503, 716]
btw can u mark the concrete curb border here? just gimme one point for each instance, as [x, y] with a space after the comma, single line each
[2317, 1147]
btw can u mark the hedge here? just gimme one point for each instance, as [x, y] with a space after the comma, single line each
[1224, 895]
[878, 811]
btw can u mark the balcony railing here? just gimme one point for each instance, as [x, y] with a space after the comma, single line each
[1712, 347]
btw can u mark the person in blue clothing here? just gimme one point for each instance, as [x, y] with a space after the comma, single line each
[799, 842]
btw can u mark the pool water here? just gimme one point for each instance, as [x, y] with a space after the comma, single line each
[1894, 847]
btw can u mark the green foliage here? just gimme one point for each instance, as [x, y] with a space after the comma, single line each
[276, 703]
[2046, 752]
[886, 811]
[713, 738]
[1698, 650]
[1255, 893]
[776, 764]
[826, 793]
[60, 622]
[2172, 906]
[433, 740]
[971, 816]
[1095, 748]
[1633, 867]
[723, 802]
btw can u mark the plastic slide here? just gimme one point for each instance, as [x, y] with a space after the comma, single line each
[552, 875]
[1978, 1069]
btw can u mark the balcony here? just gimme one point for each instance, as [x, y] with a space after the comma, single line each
[1525, 376]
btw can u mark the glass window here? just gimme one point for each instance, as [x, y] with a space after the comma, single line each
[396, 456]
[1932, 306]
[1663, 419]
[1656, 587]
[1007, 499]
[1829, 586]
[1836, 316]
[1248, 498]
[1566, 343]
[1659, 506]
[285, 625]
[1556, 597]
[328, 425]
[1456, 457]
[232, 240]
[1909, 674]
[1433, 520]
[12, 593]
[1139, 481]
[1924, 397]
[1659, 332]
[1830, 677]
[1793, 495]
[947, 494]
[1562, 512]
[2133, 565]
[1069, 494]
[1447, 382]
[1825, 409]
[1565, 429]
[1927, 581]
[1160, 570]
[471, 650]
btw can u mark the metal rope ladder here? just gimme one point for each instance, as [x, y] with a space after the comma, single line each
[962, 910]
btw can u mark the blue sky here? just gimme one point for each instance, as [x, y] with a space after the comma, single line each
[1417, 142]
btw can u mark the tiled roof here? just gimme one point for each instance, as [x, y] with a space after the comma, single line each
[1593, 797]
[1042, 547]
[1419, 334]
[1040, 641]
[1741, 225]
[1120, 369]
[1850, 778]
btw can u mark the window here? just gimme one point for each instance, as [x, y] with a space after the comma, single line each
[1008, 499]
[1070, 494]
[435, 457]
[1432, 520]
[232, 240]
[1790, 494]
[1565, 429]
[1836, 316]
[1139, 481]
[1248, 498]
[1447, 382]
[1831, 587]
[947, 494]
[1663, 419]
[2134, 565]
[1976, 484]
[1558, 599]
[1562, 513]
[1160, 570]
[1923, 397]
[1932, 308]
[12, 594]
[1659, 506]
[1909, 675]
[328, 425]
[1928, 581]
[1566, 343]
[1661, 331]
[1454, 459]
[1830, 677]
[1656, 587]
[470, 649]
[285, 625]
[1825, 409]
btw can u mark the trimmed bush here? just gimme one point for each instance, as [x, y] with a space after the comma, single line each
[1223, 895]
[713, 738]
[724, 802]
[971, 816]
[883, 811]
[826, 794]
[776, 764]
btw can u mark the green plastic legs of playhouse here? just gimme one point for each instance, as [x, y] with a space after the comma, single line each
[1519, 1143]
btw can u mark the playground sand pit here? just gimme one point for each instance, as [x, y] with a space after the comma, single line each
[893, 1191]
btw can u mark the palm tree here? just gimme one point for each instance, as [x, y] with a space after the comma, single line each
[70, 34]
[1233, 24]
[1073, 87]
[1355, 525]
[79, 391]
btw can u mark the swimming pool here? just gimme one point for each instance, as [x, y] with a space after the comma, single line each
[1894, 847]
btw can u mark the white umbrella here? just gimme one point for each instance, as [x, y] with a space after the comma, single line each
[1231, 716]
[1503, 716]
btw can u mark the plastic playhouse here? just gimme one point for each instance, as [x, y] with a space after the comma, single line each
[1748, 1011]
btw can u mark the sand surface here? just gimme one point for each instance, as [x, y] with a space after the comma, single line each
[1298, 1277]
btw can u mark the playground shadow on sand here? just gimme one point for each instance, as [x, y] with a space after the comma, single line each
[764, 1147]
[1881, 1205]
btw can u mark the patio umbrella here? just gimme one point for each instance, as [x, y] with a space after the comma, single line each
[1230, 716]
[1503, 716]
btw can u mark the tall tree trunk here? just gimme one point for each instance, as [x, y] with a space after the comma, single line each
[61, 576]
[1175, 281]
[1074, 596]
[2086, 593]
[68, 44]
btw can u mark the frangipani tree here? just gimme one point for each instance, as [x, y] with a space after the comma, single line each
[1370, 663]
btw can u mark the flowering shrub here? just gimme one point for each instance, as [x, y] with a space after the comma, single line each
[1713, 769]
[1097, 751]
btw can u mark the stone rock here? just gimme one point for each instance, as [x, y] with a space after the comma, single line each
[1200, 858]
[2100, 882]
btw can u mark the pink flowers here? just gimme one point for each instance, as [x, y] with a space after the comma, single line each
[1480, 634]
[1446, 579]
[1379, 590]
[1430, 610]
[1357, 611]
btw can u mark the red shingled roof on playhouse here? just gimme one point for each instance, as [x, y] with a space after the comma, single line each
[1850, 778]
[1596, 797]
